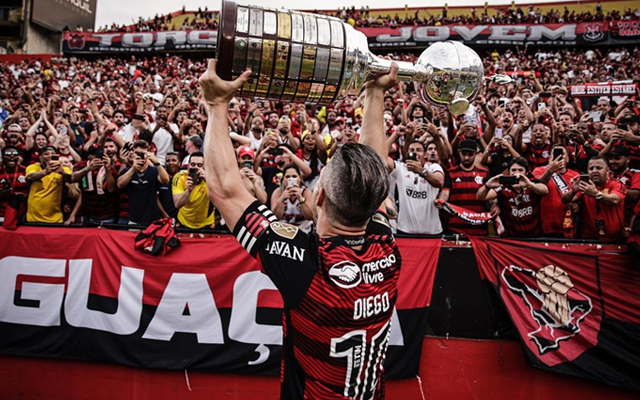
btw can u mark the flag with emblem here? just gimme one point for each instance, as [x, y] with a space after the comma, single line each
[576, 307]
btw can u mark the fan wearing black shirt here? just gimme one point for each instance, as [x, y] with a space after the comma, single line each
[339, 286]
[142, 181]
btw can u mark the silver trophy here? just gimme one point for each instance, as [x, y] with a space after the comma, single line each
[303, 57]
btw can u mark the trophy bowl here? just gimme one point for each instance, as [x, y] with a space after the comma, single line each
[302, 57]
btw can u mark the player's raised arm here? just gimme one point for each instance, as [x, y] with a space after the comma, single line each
[224, 184]
[372, 132]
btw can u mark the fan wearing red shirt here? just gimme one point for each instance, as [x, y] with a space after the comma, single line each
[519, 203]
[558, 219]
[601, 203]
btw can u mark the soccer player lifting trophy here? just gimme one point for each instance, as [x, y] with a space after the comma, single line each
[310, 58]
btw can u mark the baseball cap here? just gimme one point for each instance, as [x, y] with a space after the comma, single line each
[468, 145]
[246, 150]
[620, 151]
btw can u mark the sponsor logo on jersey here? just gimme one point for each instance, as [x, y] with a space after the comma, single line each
[415, 194]
[372, 271]
[371, 306]
[345, 274]
[285, 250]
[287, 231]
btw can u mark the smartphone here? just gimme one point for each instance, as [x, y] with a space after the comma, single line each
[595, 116]
[544, 95]
[127, 146]
[275, 151]
[420, 120]
[412, 156]
[541, 105]
[584, 177]
[99, 153]
[248, 164]
[501, 103]
[55, 157]
[292, 182]
[498, 133]
[436, 122]
[508, 180]
[140, 154]
[193, 173]
[623, 127]
[557, 152]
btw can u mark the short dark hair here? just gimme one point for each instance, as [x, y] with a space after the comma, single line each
[141, 144]
[172, 153]
[356, 182]
[521, 161]
[197, 154]
[118, 112]
[599, 158]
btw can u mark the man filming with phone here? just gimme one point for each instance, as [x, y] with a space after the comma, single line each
[46, 180]
[252, 181]
[417, 183]
[518, 199]
[558, 219]
[98, 184]
[190, 195]
[601, 202]
[142, 180]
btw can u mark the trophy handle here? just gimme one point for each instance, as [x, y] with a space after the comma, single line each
[406, 72]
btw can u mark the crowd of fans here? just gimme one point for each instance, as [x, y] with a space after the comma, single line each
[120, 141]
[201, 19]
[364, 17]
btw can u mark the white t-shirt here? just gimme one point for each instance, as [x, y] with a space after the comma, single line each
[163, 140]
[417, 212]
[127, 132]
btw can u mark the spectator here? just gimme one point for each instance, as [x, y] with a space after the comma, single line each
[195, 211]
[618, 160]
[461, 185]
[193, 145]
[417, 183]
[601, 203]
[291, 202]
[46, 180]
[98, 177]
[252, 181]
[12, 178]
[141, 181]
[165, 192]
[558, 219]
[519, 202]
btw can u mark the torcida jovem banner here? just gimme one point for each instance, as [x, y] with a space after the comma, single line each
[587, 33]
[86, 294]
[576, 309]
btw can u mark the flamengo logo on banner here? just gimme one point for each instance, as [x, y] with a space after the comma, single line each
[498, 33]
[182, 290]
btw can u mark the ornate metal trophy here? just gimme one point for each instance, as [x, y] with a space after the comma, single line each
[302, 57]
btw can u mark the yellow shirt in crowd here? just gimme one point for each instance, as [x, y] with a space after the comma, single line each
[45, 197]
[194, 214]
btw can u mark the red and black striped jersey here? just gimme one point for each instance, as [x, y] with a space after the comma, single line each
[537, 157]
[338, 303]
[463, 187]
[630, 178]
[520, 212]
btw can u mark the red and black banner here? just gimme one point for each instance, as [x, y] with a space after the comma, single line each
[576, 308]
[86, 294]
[587, 33]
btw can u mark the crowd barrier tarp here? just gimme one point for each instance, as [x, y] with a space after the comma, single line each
[586, 33]
[577, 312]
[86, 294]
